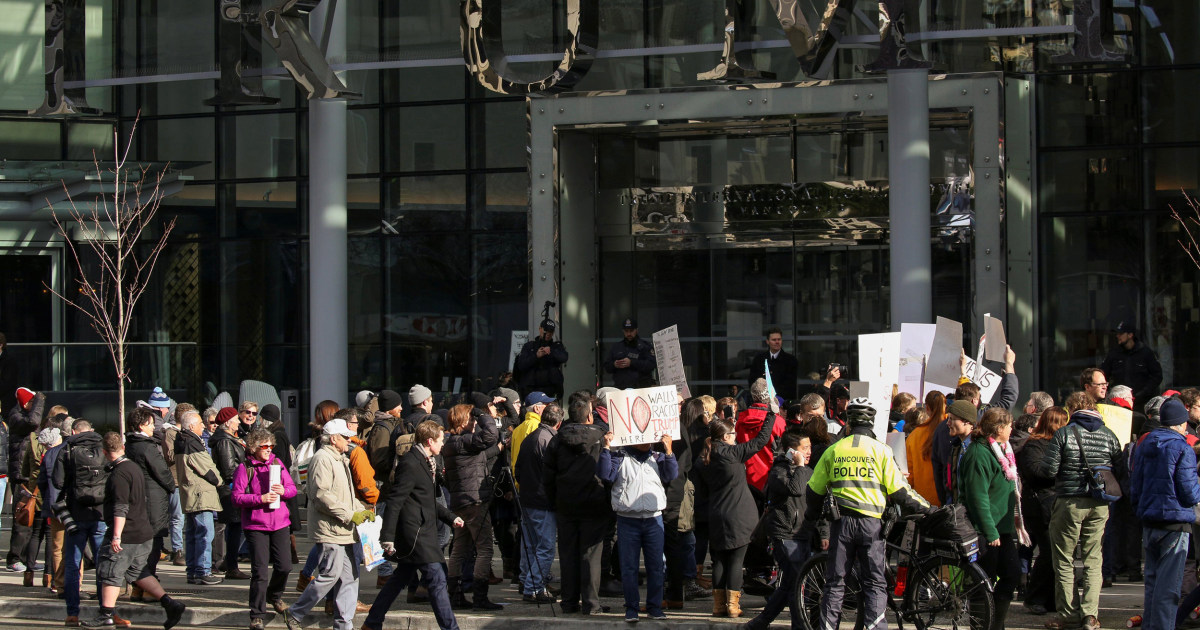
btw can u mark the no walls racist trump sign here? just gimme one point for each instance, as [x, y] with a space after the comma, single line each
[643, 416]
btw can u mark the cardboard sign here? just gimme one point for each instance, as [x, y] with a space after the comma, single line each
[643, 416]
[916, 340]
[879, 366]
[895, 441]
[997, 344]
[987, 380]
[669, 358]
[943, 367]
[1119, 420]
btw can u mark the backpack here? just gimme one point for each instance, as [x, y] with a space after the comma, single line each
[950, 523]
[300, 462]
[403, 445]
[89, 475]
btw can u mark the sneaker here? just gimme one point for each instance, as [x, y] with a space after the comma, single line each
[174, 614]
[72, 621]
[631, 616]
[1090, 623]
[279, 606]
[292, 622]
[595, 611]
[658, 615]
[101, 620]
[121, 623]
[209, 580]
[177, 559]
[17, 567]
[257, 624]
[541, 597]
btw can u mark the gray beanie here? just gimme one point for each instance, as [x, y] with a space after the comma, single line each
[418, 394]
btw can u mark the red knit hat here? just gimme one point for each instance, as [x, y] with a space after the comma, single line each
[225, 414]
[24, 395]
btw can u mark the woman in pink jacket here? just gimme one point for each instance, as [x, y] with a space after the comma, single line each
[265, 520]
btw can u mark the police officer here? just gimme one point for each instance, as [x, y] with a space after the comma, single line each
[862, 476]
[539, 365]
[631, 360]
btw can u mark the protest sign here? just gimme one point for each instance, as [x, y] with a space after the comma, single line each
[987, 380]
[879, 366]
[997, 344]
[895, 441]
[670, 360]
[519, 339]
[916, 340]
[1119, 420]
[643, 416]
[943, 368]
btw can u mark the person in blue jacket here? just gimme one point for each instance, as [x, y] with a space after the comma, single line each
[1164, 489]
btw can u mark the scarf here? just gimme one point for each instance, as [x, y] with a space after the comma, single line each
[1008, 462]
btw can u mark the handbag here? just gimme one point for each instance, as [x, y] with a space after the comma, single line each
[1102, 483]
[26, 510]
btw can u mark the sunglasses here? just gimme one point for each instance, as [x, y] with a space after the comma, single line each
[266, 447]
[250, 413]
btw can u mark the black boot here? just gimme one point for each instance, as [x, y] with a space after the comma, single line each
[458, 600]
[1001, 614]
[480, 596]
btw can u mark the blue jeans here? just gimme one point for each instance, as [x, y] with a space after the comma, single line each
[175, 511]
[85, 534]
[199, 528]
[1166, 553]
[644, 537]
[540, 531]
[433, 578]
[790, 555]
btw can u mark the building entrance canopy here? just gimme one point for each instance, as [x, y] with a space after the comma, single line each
[29, 189]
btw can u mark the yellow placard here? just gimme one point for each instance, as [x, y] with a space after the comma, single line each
[1119, 420]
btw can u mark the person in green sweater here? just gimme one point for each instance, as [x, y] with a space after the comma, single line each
[988, 479]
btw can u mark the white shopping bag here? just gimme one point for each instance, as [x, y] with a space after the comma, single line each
[368, 540]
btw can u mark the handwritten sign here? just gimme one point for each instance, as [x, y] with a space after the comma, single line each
[669, 358]
[987, 380]
[942, 368]
[519, 339]
[643, 416]
[1119, 420]
[916, 340]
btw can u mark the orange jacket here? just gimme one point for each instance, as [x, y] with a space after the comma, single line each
[363, 474]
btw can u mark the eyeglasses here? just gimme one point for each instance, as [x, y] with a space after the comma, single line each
[250, 413]
[1099, 384]
[266, 447]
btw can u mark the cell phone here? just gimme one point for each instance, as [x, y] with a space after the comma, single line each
[791, 454]
[728, 412]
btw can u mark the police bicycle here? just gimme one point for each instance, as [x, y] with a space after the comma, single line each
[933, 583]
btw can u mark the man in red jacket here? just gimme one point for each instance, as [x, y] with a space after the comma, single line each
[748, 424]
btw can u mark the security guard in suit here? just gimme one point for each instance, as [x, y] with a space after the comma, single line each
[861, 474]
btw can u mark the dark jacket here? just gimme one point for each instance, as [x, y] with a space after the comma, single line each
[1138, 368]
[783, 372]
[641, 363]
[64, 475]
[530, 470]
[4, 449]
[20, 424]
[283, 444]
[1034, 487]
[125, 495]
[466, 464]
[379, 446]
[572, 485]
[410, 522]
[49, 492]
[228, 452]
[1163, 486]
[536, 373]
[677, 487]
[732, 513]
[1064, 461]
[786, 490]
[146, 452]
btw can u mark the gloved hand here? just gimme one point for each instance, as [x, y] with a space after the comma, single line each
[361, 517]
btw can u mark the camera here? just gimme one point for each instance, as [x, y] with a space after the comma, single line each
[834, 366]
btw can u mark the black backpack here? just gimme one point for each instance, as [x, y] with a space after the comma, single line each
[89, 475]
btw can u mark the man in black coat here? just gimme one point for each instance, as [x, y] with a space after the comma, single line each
[408, 537]
[584, 510]
[631, 360]
[1132, 363]
[783, 365]
[144, 450]
[539, 365]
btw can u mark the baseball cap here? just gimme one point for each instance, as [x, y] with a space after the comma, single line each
[1125, 327]
[337, 426]
[547, 325]
[629, 323]
[535, 398]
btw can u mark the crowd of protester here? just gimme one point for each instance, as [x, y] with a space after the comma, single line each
[534, 478]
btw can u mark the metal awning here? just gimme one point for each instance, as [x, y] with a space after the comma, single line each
[29, 189]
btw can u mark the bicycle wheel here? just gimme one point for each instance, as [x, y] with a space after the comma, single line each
[811, 585]
[950, 596]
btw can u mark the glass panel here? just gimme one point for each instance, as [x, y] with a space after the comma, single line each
[1168, 30]
[753, 289]
[362, 141]
[1172, 172]
[426, 203]
[22, 74]
[1081, 109]
[87, 141]
[1173, 299]
[31, 140]
[506, 202]
[500, 307]
[1170, 100]
[365, 282]
[1089, 181]
[436, 83]
[420, 30]
[159, 140]
[194, 209]
[1088, 286]
[505, 137]
[267, 209]
[266, 146]
[362, 196]
[177, 37]
[426, 138]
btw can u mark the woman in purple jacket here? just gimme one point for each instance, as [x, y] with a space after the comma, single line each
[265, 520]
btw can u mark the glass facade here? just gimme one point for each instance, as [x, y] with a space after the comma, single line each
[439, 189]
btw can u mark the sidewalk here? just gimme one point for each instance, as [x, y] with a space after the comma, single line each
[226, 605]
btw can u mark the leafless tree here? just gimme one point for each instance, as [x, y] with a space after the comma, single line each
[112, 227]
[1191, 227]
